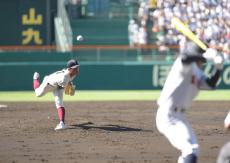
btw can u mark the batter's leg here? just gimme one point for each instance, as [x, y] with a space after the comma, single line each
[188, 146]
[224, 154]
[177, 130]
[181, 136]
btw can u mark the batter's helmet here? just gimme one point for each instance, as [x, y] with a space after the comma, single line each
[191, 50]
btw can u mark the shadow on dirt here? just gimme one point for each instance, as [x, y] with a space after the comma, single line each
[109, 127]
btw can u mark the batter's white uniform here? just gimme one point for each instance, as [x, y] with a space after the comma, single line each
[181, 87]
[224, 154]
[55, 83]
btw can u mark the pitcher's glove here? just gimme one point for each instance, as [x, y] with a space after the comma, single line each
[70, 89]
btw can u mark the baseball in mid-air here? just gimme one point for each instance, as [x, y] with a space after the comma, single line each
[79, 38]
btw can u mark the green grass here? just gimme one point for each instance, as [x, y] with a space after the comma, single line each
[138, 95]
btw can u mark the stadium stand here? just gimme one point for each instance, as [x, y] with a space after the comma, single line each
[209, 19]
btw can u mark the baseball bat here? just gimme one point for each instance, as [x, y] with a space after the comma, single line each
[184, 29]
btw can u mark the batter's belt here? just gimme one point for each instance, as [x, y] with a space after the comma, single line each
[178, 110]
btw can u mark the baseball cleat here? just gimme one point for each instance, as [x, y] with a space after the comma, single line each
[36, 76]
[60, 126]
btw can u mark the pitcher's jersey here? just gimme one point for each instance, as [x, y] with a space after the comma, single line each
[59, 78]
[181, 85]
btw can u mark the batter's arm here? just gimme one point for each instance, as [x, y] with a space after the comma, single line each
[219, 63]
[208, 83]
[213, 79]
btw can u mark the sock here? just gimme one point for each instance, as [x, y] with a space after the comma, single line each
[61, 114]
[36, 83]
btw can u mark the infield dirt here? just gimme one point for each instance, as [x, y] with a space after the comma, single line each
[103, 132]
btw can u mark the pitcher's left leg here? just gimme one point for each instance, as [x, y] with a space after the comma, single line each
[58, 96]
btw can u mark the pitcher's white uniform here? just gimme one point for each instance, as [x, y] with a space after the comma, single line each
[55, 83]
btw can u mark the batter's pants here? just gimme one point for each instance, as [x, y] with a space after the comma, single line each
[173, 124]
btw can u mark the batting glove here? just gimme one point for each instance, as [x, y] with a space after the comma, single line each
[219, 61]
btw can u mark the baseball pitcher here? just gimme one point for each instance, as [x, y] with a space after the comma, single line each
[58, 83]
[182, 85]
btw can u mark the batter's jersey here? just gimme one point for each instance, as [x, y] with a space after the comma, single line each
[59, 78]
[182, 85]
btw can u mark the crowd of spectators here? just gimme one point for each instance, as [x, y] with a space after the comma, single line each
[138, 32]
[208, 19]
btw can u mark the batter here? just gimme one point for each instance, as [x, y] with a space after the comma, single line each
[182, 85]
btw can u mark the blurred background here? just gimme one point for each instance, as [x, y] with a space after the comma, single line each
[127, 44]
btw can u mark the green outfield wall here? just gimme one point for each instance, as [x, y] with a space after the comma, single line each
[16, 71]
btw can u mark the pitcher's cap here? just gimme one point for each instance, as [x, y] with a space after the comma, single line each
[72, 63]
